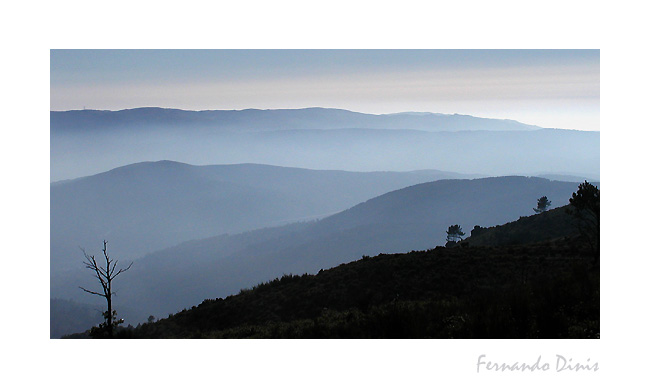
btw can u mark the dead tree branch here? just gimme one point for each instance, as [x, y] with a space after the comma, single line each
[105, 275]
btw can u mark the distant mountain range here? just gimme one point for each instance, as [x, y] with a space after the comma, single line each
[270, 120]
[233, 214]
[89, 142]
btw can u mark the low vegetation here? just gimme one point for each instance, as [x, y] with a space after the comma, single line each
[533, 278]
[540, 290]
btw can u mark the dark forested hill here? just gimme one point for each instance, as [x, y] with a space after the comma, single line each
[535, 277]
[549, 225]
[541, 290]
[413, 218]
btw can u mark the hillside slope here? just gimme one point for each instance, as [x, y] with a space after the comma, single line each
[547, 226]
[150, 206]
[535, 290]
[413, 218]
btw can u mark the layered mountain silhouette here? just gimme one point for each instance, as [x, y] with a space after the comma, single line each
[149, 206]
[232, 216]
[413, 218]
[89, 142]
[152, 205]
[546, 285]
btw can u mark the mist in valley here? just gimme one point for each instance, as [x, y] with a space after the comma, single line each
[205, 209]
[204, 203]
[479, 149]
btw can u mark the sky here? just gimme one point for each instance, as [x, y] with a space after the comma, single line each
[548, 88]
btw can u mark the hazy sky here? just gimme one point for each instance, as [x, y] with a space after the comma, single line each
[550, 88]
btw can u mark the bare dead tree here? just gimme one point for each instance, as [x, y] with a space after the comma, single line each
[105, 274]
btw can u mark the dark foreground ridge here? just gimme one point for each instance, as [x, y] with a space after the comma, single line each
[547, 289]
[544, 285]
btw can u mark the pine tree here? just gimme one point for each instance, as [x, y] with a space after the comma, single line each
[586, 210]
[454, 233]
[542, 204]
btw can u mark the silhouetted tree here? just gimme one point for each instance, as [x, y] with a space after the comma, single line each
[105, 275]
[477, 230]
[586, 209]
[454, 233]
[542, 204]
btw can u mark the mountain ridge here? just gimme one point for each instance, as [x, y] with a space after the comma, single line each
[179, 164]
[144, 207]
[412, 218]
[494, 291]
[488, 153]
[272, 119]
